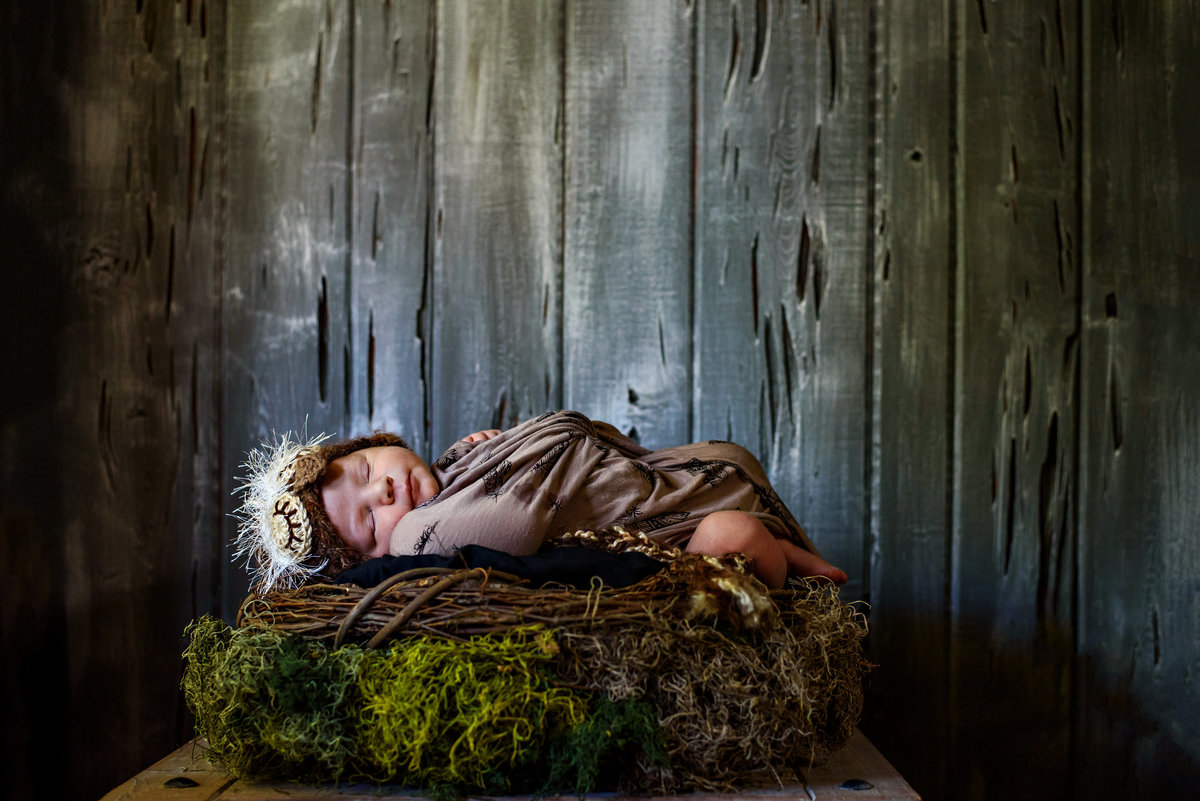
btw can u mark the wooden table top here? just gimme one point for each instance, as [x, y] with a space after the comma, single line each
[185, 775]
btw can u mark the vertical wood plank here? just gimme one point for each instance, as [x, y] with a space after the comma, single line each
[913, 372]
[1138, 727]
[627, 282]
[392, 161]
[284, 326]
[781, 254]
[107, 496]
[1016, 397]
[497, 227]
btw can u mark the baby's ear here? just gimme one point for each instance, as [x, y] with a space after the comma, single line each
[308, 468]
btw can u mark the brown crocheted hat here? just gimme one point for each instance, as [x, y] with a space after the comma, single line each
[283, 529]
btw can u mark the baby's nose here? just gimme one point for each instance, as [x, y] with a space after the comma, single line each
[387, 495]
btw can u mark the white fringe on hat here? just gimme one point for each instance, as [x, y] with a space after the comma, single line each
[276, 545]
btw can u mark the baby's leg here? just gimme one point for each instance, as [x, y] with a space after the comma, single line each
[808, 564]
[727, 532]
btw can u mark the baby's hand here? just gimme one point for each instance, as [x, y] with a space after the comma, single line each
[480, 436]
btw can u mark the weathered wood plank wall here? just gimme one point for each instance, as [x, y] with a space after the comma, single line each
[912, 347]
[1016, 349]
[934, 264]
[391, 156]
[781, 252]
[1137, 701]
[108, 506]
[498, 223]
[627, 284]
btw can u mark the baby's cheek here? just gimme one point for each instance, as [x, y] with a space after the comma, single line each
[428, 487]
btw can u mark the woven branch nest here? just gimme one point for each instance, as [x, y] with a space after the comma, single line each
[745, 683]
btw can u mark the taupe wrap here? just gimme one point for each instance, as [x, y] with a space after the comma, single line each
[564, 472]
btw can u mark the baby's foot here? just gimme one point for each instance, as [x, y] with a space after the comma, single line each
[809, 565]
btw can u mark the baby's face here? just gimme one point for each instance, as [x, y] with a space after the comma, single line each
[365, 494]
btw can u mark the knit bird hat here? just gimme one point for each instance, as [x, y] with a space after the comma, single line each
[284, 532]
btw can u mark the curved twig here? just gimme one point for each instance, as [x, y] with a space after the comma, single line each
[379, 589]
[408, 611]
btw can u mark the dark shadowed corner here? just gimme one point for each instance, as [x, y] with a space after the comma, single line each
[33, 211]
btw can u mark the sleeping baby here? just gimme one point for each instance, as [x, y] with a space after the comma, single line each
[314, 509]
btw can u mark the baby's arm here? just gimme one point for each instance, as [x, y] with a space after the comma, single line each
[480, 436]
[725, 532]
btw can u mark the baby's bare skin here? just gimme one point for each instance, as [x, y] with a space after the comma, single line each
[728, 532]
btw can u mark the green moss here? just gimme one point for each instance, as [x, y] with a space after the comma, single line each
[481, 714]
[270, 704]
[439, 711]
[615, 736]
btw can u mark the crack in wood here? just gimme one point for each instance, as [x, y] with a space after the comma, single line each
[170, 277]
[769, 358]
[426, 273]
[1058, 124]
[735, 47]
[191, 186]
[1059, 29]
[831, 37]
[764, 421]
[802, 259]
[1010, 504]
[1028, 398]
[316, 85]
[762, 38]
[1046, 543]
[1068, 360]
[375, 235]
[104, 435]
[149, 24]
[323, 334]
[203, 168]
[371, 365]
[754, 281]
[347, 378]
[815, 165]
[662, 343]
[431, 48]
[818, 282]
[789, 358]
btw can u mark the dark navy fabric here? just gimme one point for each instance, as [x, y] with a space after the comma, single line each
[571, 566]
